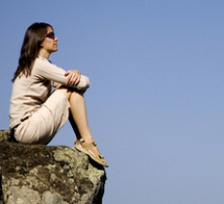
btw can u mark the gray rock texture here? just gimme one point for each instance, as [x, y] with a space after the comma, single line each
[39, 174]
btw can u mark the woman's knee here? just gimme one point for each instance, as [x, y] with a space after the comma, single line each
[67, 92]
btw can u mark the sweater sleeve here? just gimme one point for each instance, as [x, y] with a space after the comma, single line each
[45, 70]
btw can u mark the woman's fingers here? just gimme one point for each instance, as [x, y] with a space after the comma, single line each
[72, 78]
[75, 78]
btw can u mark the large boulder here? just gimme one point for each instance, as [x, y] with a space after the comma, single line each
[39, 174]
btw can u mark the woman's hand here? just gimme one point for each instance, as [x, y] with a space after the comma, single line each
[73, 77]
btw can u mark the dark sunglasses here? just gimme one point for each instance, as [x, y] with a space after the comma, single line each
[51, 35]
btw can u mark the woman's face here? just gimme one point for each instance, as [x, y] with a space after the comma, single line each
[50, 42]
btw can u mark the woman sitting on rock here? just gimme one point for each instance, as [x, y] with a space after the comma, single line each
[36, 114]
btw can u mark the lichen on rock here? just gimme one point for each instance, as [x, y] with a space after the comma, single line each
[39, 174]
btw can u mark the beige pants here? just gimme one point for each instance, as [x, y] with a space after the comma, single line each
[44, 123]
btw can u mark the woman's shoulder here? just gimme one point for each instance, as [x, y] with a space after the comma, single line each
[40, 63]
[41, 60]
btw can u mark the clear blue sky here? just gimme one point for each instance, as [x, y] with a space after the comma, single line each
[156, 102]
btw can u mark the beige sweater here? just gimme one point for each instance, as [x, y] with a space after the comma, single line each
[29, 93]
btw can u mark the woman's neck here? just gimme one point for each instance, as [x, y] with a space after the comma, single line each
[44, 54]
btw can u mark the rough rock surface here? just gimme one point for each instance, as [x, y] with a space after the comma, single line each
[39, 174]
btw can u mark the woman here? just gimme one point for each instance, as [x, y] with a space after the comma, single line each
[36, 114]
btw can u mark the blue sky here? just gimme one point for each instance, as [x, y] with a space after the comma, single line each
[155, 105]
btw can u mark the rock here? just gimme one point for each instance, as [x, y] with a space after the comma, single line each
[5, 136]
[39, 174]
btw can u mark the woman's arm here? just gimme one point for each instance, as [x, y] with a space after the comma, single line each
[72, 78]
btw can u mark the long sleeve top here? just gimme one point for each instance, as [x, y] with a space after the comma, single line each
[29, 93]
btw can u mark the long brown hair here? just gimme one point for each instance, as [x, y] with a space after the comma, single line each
[33, 39]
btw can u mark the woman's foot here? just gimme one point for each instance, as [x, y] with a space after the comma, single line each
[91, 150]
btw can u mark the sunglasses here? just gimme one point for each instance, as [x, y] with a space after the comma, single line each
[51, 35]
